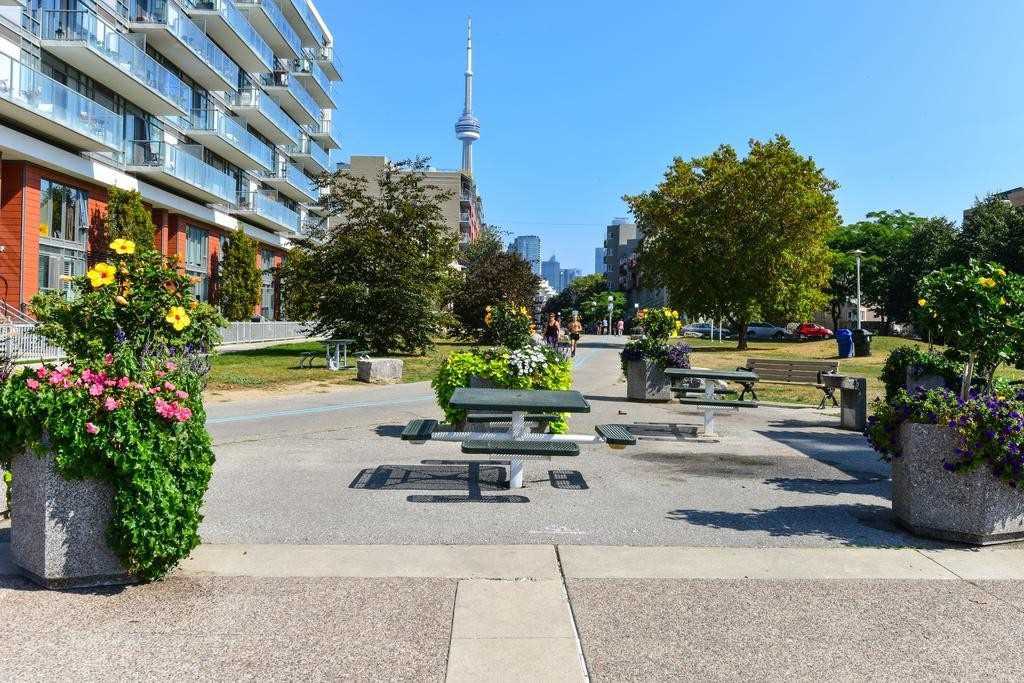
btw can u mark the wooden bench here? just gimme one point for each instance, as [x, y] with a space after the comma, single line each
[792, 372]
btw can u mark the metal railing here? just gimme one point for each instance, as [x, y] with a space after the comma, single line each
[21, 341]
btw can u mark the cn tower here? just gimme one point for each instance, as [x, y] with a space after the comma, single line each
[467, 128]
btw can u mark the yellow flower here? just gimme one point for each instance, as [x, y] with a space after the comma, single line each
[178, 318]
[123, 246]
[101, 274]
[922, 302]
[1002, 301]
[522, 309]
[44, 230]
[1002, 273]
[675, 314]
[986, 282]
[488, 319]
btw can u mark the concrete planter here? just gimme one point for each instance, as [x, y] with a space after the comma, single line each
[5, 511]
[973, 507]
[645, 381]
[59, 527]
[380, 370]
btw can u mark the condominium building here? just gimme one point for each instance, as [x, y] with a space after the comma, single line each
[566, 277]
[219, 112]
[551, 270]
[622, 239]
[528, 246]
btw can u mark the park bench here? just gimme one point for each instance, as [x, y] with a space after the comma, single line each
[792, 372]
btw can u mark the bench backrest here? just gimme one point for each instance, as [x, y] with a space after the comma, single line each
[802, 371]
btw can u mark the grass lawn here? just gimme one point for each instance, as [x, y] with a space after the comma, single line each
[277, 366]
[723, 355]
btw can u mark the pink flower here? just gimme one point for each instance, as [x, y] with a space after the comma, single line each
[57, 378]
[95, 389]
[170, 366]
[169, 387]
[123, 383]
[108, 359]
[41, 373]
[32, 384]
[154, 390]
[165, 409]
[111, 404]
[161, 373]
[181, 413]
[91, 428]
[110, 383]
[182, 395]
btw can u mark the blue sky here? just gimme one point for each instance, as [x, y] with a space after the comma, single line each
[912, 105]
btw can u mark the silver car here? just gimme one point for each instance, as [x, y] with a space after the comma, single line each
[767, 331]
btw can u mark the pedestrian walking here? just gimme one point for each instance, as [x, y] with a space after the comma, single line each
[552, 331]
[621, 326]
[575, 328]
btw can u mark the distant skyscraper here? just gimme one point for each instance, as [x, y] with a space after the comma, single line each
[467, 129]
[599, 254]
[528, 246]
[551, 270]
[566, 276]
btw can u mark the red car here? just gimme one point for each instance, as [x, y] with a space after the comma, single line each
[813, 331]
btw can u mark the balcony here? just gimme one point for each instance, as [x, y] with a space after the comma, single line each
[264, 114]
[266, 17]
[177, 37]
[228, 137]
[42, 104]
[328, 60]
[305, 24]
[89, 44]
[323, 133]
[293, 183]
[186, 173]
[315, 81]
[293, 98]
[310, 156]
[266, 212]
[233, 32]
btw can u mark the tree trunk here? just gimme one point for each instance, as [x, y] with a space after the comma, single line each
[741, 344]
[968, 375]
[834, 310]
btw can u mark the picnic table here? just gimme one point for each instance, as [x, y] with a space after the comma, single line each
[337, 353]
[711, 400]
[515, 410]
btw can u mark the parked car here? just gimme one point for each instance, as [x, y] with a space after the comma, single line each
[706, 331]
[767, 331]
[813, 331]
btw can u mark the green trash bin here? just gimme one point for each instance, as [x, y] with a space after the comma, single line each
[861, 343]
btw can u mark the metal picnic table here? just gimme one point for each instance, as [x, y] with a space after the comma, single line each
[515, 410]
[710, 400]
[337, 353]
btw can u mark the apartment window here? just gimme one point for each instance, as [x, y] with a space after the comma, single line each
[267, 292]
[63, 234]
[197, 260]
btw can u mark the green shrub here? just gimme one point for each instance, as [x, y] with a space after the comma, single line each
[239, 278]
[509, 326]
[920, 363]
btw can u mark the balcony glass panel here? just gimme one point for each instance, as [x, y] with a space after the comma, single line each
[86, 27]
[327, 54]
[299, 180]
[240, 25]
[310, 67]
[46, 97]
[278, 20]
[254, 97]
[168, 13]
[270, 209]
[280, 79]
[182, 165]
[234, 132]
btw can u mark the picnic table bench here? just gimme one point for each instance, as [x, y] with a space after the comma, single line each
[710, 401]
[518, 443]
[336, 355]
[794, 372]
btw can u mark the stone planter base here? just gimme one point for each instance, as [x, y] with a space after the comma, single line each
[973, 507]
[645, 381]
[380, 370]
[59, 527]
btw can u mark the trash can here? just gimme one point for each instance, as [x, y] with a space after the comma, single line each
[844, 338]
[861, 343]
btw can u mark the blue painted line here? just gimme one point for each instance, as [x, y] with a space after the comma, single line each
[314, 410]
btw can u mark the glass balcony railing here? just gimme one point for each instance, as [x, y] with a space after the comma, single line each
[298, 179]
[241, 26]
[117, 49]
[309, 148]
[46, 97]
[254, 97]
[168, 14]
[280, 79]
[307, 17]
[327, 54]
[183, 166]
[273, 12]
[308, 66]
[268, 208]
[231, 130]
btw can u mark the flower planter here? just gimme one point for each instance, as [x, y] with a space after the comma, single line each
[970, 507]
[646, 381]
[59, 527]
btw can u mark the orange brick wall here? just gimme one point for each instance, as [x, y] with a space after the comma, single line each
[11, 199]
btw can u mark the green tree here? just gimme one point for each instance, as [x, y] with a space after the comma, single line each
[495, 277]
[993, 230]
[584, 288]
[380, 268]
[489, 242]
[239, 278]
[740, 239]
[128, 218]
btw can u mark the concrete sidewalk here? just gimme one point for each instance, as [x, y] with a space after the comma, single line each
[524, 613]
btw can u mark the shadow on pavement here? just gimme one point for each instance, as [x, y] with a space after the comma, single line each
[470, 477]
[833, 487]
[568, 480]
[849, 524]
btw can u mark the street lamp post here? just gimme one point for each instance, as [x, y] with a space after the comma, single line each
[611, 299]
[858, 253]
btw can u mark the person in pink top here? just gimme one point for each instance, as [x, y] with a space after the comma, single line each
[622, 327]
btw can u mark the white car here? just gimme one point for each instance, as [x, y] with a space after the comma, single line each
[767, 331]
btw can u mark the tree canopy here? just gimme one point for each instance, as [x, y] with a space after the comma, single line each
[740, 239]
[128, 218]
[380, 267]
[239, 278]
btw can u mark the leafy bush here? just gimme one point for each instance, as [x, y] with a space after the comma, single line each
[509, 326]
[505, 369]
[920, 363]
[239, 278]
[658, 325]
[988, 429]
[127, 407]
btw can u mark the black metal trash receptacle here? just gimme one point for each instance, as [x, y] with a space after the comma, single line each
[861, 343]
